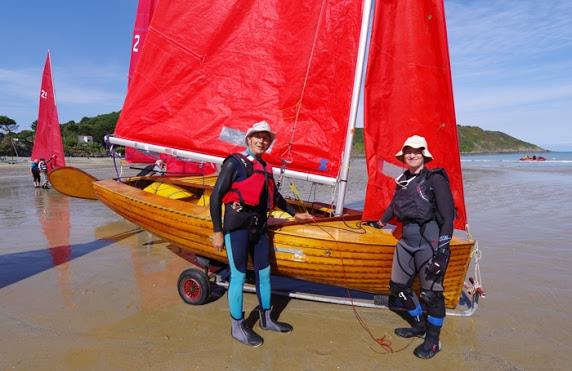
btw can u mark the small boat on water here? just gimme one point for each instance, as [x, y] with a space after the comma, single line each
[532, 158]
[202, 81]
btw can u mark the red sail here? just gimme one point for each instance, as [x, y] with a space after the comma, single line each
[409, 91]
[145, 10]
[48, 138]
[211, 69]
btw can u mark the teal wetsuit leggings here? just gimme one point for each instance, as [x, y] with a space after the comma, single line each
[239, 244]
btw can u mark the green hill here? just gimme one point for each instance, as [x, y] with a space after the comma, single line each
[472, 139]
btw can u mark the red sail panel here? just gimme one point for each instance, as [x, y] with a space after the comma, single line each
[183, 167]
[211, 69]
[48, 138]
[145, 10]
[409, 91]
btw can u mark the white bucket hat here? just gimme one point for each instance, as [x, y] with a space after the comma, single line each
[416, 142]
[260, 127]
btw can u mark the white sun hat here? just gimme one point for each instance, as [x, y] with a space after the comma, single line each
[416, 142]
[260, 127]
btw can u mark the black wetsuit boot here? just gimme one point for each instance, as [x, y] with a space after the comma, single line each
[267, 323]
[241, 332]
[417, 328]
[431, 345]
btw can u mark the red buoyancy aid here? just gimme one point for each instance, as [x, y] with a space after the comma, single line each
[248, 190]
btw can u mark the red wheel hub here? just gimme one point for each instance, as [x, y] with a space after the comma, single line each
[192, 289]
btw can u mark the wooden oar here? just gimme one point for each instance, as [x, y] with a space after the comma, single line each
[73, 182]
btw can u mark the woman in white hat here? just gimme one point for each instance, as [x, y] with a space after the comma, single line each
[423, 203]
[246, 187]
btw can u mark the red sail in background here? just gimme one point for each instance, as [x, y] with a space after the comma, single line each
[48, 138]
[409, 91]
[145, 10]
[210, 70]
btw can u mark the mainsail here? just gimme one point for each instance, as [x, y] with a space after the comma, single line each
[409, 91]
[48, 138]
[212, 69]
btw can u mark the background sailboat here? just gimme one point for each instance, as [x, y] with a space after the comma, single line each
[48, 138]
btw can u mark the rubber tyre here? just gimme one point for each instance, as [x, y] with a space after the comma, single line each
[194, 287]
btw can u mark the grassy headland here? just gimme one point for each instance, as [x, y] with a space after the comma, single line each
[472, 139]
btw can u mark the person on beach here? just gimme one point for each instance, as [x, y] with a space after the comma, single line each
[246, 187]
[43, 168]
[35, 170]
[424, 204]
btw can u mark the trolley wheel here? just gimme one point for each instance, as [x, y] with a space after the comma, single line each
[194, 287]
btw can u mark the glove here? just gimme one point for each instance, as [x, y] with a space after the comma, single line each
[438, 263]
[375, 224]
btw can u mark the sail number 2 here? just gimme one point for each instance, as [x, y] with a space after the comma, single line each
[136, 39]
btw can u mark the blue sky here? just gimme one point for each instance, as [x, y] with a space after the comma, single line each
[511, 60]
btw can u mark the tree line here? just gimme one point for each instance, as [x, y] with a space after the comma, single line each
[472, 139]
[14, 143]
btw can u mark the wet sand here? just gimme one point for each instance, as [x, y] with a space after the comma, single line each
[82, 288]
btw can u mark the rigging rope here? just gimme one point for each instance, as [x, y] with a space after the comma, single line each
[384, 343]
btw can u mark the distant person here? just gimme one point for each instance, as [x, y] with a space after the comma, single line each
[158, 168]
[424, 204]
[534, 157]
[35, 171]
[246, 187]
[43, 168]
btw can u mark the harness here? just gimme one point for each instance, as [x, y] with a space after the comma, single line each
[414, 200]
[243, 209]
[247, 190]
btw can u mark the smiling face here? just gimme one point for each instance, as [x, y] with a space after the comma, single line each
[258, 143]
[413, 158]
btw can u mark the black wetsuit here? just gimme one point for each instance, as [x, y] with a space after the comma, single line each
[239, 242]
[421, 239]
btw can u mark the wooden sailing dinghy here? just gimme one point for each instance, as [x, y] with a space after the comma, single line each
[201, 81]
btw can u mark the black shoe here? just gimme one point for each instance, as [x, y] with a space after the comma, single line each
[409, 332]
[417, 328]
[427, 350]
[431, 345]
[267, 323]
[241, 332]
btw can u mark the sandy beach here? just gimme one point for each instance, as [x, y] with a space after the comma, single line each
[81, 288]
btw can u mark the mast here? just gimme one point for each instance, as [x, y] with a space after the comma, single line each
[360, 66]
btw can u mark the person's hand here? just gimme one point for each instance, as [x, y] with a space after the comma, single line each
[438, 263]
[376, 224]
[302, 217]
[218, 241]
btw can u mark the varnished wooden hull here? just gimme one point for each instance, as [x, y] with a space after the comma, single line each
[341, 253]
